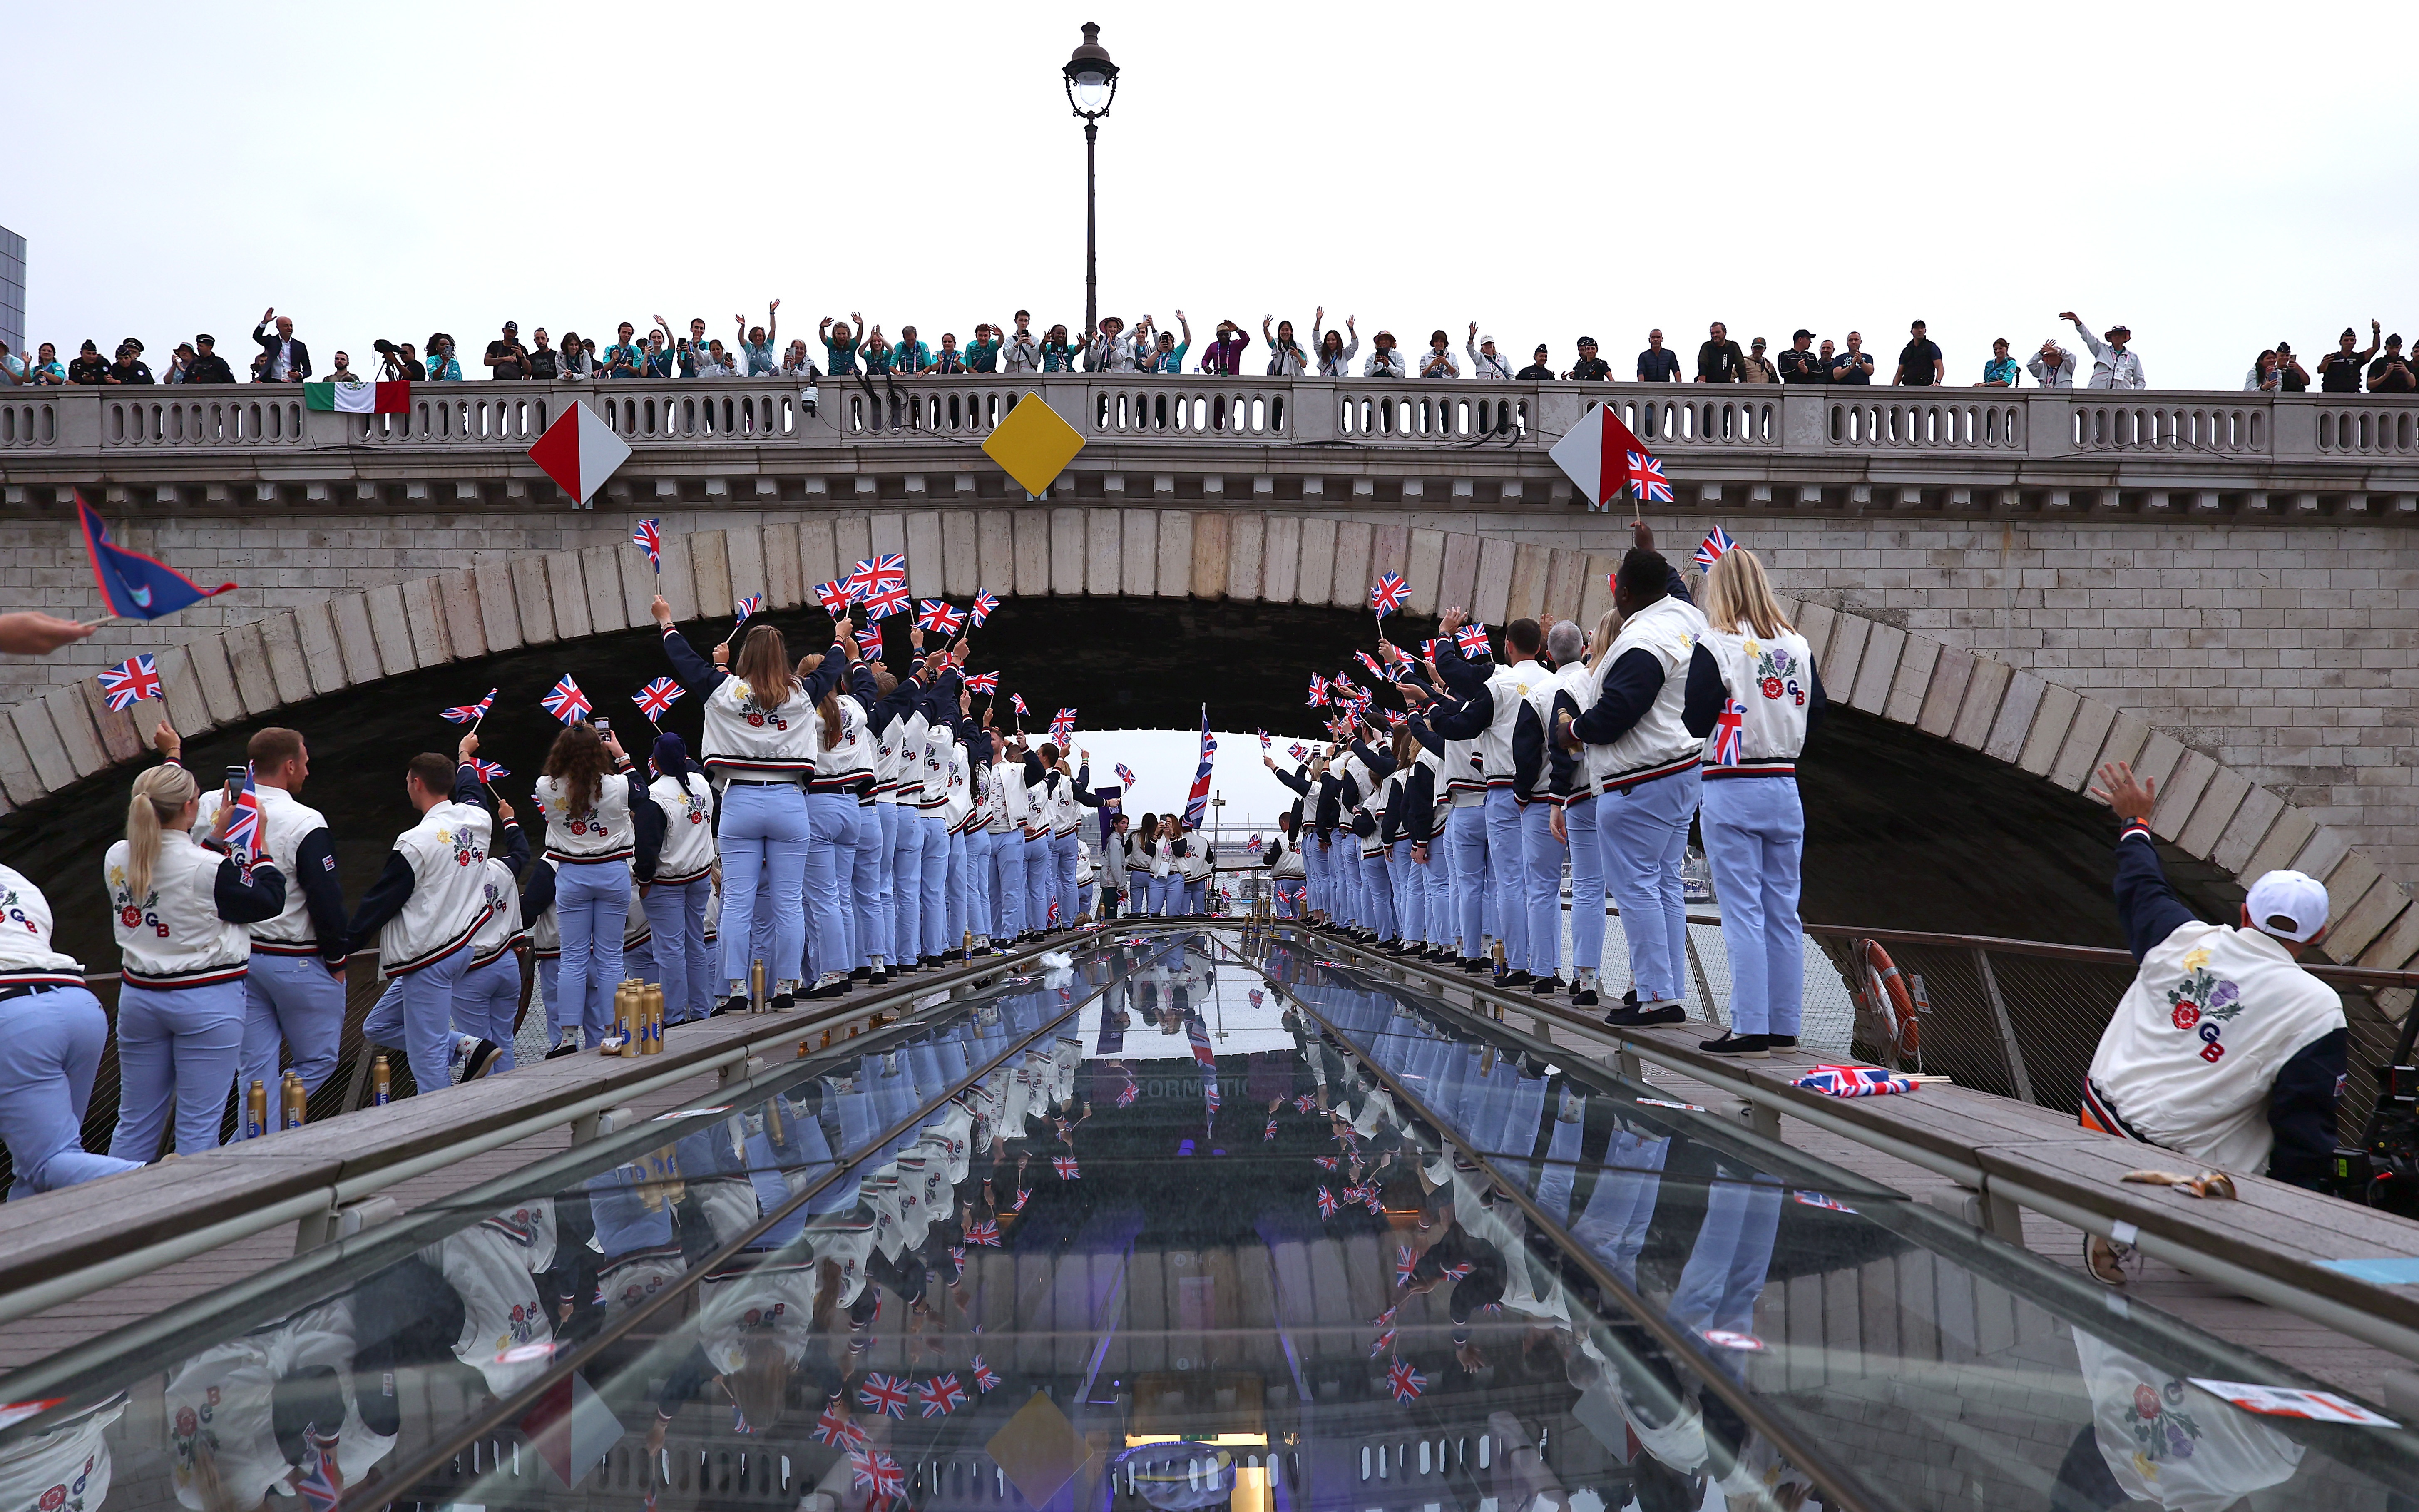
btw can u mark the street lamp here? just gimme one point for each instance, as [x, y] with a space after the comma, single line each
[1092, 86]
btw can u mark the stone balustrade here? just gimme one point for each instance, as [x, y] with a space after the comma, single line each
[1816, 449]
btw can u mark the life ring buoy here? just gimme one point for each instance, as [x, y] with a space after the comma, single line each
[1885, 994]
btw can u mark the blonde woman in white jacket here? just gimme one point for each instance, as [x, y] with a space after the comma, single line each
[179, 908]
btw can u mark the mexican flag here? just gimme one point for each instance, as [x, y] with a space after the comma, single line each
[358, 398]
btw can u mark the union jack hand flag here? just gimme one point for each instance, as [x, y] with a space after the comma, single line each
[940, 616]
[984, 1379]
[1817, 1199]
[1326, 1203]
[1318, 691]
[648, 534]
[1305, 1102]
[1062, 724]
[1646, 476]
[884, 1393]
[1271, 1132]
[835, 1426]
[1385, 1319]
[869, 639]
[753, 604]
[983, 1231]
[1427, 649]
[1328, 1163]
[1727, 728]
[883, 602]
[1022, 1195]
[1455, 1272]
[1370, 1199]
[490, 771]
[1377, 667]
[243, 819]
[1297, 752]
[1065, 1166]
[877, 1473]
[655, 700]
[834, 597]
[1127, 1094]
[460, 713]
[1404, 1381]
[1404, 1265]
[1855, 1081]
[135, 679]
[983, 682]
[876, 573]
[566, 702]
[1714, 546]
[1389, 595]
[1471, 639]
[319, 1488]
[1253, 844]
[1016, 701]
[1382, 1344]
[984, 604]
[943, 1396]
[1125, 774]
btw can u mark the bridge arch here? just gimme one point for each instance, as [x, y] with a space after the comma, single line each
[2012, 714]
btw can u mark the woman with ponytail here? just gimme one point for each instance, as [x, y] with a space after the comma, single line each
[600, 828]
[761, 736]
[843, 770]
[179, 910]
[675, 900]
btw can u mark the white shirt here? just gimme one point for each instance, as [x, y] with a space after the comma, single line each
[2111, 368]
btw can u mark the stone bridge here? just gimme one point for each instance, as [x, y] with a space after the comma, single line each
[2215, 587]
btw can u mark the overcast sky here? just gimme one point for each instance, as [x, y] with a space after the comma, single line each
[2212, 175]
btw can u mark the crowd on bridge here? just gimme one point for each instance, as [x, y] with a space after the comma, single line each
[848, 823]
[853, 347]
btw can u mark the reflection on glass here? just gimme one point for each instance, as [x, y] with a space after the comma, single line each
[1166, 1229]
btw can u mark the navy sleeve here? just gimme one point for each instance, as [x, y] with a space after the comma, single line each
[1419, 798]
[1463, 675]
[315, 872]
[2301, 1110]
[1380, 763]
[467, 788]
[827, 676]
[1528, 749]
[1629, 691]
[515, 853]
[248, 900]
[2147, 907]
[1567, 777]
[1035, 773]
[1470, 720]
[699, 675]
[1426, 736]
[384, 899]
[902, 699]
[1674, 584]
[1701, 705]
[861, 682]
[537, 890]
[647, 815]
[1816, 700]
[1300, 784]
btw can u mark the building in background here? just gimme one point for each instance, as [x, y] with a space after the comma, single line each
[12, 289]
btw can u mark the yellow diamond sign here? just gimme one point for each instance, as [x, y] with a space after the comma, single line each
[1033, 445]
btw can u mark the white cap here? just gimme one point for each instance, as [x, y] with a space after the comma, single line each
[2287, 904]
[1485, 341]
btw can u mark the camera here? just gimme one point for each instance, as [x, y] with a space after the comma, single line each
[383, 347]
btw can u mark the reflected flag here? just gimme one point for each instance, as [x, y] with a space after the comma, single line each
[319, 1488]
[1457, 1273]
[837, 1427]
[1303, 1104]
[565, 701]
[1270, 1132]
[1127, 1094]
[983, 1231]
[881, 603]
[753, 604]
[655, 700]
[1382, 1344]
[648, 535]
[1818, 1199]
[1404, 1265]
[985, 1381]
[1389, 595]
[1326, 1203]
[1405, 1381]
[873, 1471]
[1646, 476]
[1196, 802]
[1053, 911]
[835, 598]
[137, 678]
[883, 1393]
[984, 604]
[1065, 1166]
[1714, 546]
[1728, 726]
[490, 771]
[983, 682]
[1472, 640]
[1198, 1033]
[1328, 1163]
[943, 1396]
[470, 713]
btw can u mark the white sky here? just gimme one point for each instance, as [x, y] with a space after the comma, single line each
[1162, 762]
[2214, 175]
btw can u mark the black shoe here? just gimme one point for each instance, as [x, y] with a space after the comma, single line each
[1630, 1017]
[1584, 997]
[1740, 1046]
[930, 962]
[568, 1047]
[877, 978]
[732, 1004]
[1781, 1041]
[829, 989]
[860, 974]
[1476, 963]
[475, 1064]
[784, 1002]
[1514, 979]
[1545, 986]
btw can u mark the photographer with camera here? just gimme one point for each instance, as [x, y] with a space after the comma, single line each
[401, 364]
[507, 359]
[2222, 1049]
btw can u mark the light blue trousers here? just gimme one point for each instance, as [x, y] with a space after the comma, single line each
[1731, 1259]
[831, 866]
[177, 1051]
[883, 821]
[296, 999]
[1378, 894]
[685, 966]
[1587, 884]
[1541, 896]
[1438, 911]
[591, 908]
[1755, 837]
[1166, 894]
[1465, 842]
[486, 1000]
[1064, 858]
[1643, 835]
[934, 908]
[868, 918]
[50, 1050]
[765, 839]
[416, 1011]
[1007, 888]
[906, 885]
[980, 917]
[1410, 892]
[1506, 863]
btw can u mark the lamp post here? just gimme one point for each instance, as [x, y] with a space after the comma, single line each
[1092, 86]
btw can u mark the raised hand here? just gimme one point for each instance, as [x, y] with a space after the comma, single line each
[2132, 797]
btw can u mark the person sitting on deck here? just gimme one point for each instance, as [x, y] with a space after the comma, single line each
[2222, 1049]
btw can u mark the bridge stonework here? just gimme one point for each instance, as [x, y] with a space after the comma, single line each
[2217, 591]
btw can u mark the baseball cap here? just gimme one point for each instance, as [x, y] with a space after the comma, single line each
[2291, 905]
[1801, 333]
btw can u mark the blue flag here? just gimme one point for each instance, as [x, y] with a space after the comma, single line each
[135, 586]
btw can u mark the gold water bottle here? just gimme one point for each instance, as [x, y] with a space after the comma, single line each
[381, 1081]
[298, 1102]
[756, 987]
[255, 1110]
[618, 1043]
[652, 1006]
